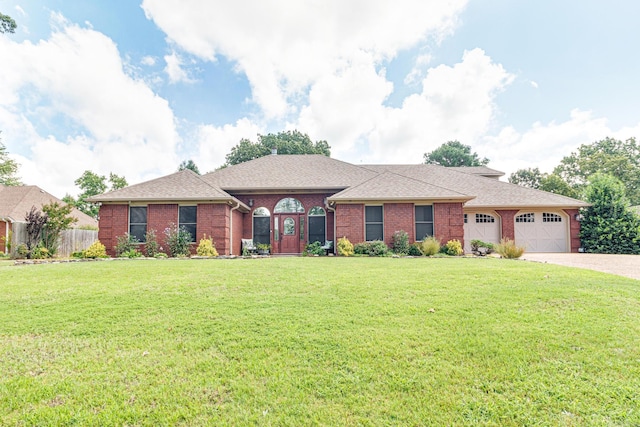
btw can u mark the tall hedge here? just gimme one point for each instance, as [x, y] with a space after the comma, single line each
[609, 226]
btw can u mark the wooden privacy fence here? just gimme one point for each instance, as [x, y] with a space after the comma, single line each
[71, 240]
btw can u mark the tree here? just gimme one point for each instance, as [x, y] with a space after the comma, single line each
[289, 142]
[533, 178]
[93, 184]
[620, 159]
[7, 24]
[36, 221]
[189, 164]
[8, 168]
[454, 153]
[609, 225]
[58, 220]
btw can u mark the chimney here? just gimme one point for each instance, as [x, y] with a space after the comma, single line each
[274, 151]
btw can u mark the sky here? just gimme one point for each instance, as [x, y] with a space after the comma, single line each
[136, 87]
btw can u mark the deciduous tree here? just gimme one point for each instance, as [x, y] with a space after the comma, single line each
[189, 164]
[290, 142]
[93, 184]
[454, 153]
[8, 168]
[7, 24]
[58, 219]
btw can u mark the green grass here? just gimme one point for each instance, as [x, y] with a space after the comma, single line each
[318, 341]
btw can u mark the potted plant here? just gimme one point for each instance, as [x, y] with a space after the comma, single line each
[263, 248]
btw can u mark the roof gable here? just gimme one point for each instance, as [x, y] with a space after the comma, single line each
[183, 185]
[17, 201]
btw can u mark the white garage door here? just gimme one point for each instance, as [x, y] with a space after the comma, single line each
[480, 226]
[541, 231]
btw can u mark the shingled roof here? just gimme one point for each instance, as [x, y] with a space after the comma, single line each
[185, 185]
[314, 173]
[17, 201]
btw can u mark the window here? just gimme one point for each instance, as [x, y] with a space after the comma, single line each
[317, 225]
[187, 218]
[373, 224]
[465, 218]
[424, 221]
[289, 227]
[526, 217]
[484, 219]
[138, 222]
[261, 226]
[551, 217]
[289, 205]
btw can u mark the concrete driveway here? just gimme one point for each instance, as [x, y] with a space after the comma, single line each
[622, 265]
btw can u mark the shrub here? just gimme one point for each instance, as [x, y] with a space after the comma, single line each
[314, 248]
[415, 249]
[507, 249]
[479, 247]
[178, 240]
[22, 250]
[206, 247]
[361, 248]
[400, 243]
[345, 247]
[378, 248]
[152, 247]
[40, 252]
[133, 253]
[96, 250]
[454, 248]
[125, 244]
[430, 246]
[161, 255]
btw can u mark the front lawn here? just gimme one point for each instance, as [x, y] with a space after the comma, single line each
[318, 341]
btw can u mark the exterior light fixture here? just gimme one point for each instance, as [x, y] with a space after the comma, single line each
[250, 203]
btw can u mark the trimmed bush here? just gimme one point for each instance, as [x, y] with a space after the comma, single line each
[96, 250]
[400, 243]
[454, 248]
[378, 248]
[344, 247]
[430, 246]
[507, 249]
[361, 248]
[207, 247]
[314, 248]
[479, 247]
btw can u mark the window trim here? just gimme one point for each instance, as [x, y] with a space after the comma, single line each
[180, 223]
[416, 222]
[372, 222]
[146, 223]
[313, 215]
[253, 223]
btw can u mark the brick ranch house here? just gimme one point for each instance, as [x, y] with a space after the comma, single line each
[288, 201]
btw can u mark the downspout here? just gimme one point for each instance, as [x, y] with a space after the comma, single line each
[329, 208]
[231, 228]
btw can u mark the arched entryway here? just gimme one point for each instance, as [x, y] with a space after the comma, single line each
[288, 220]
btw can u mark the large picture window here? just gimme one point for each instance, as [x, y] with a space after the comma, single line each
[138, 222]
[261, 226]
[317, 225]
[187, 218]
[373, 223]
[424, 221]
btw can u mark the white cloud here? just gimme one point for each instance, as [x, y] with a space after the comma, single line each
[284, 47]
[175, 71]
[215, 142]
[149, 61]
[417, 72]
[75, 79]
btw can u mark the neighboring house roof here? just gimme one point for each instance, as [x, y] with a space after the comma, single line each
[315, 173]
[292, 172]
[17, 201]
[479, 170]
[184, 185]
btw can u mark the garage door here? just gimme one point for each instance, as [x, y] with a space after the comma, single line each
[480, 226]
[541, 231]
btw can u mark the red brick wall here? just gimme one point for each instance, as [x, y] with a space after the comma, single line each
[238, 228]
[159, 217]
[114, 222]
[448, 222]
[350, 222]
[574, 229]
[3, 233]
[508, 223]
[397, 217]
